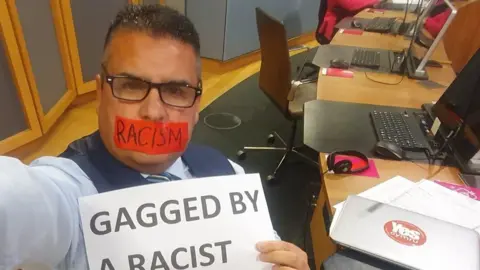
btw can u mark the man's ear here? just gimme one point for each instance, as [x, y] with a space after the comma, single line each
[196, 118]
[197, 109]
[99, 90]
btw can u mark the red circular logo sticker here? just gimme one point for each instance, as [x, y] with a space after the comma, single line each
[405, 233]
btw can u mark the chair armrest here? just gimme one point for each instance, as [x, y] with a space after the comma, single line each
[293, 89]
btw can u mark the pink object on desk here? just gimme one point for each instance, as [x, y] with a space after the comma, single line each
[357, 163]
[473, 193]
[336, 72]
[357, 32]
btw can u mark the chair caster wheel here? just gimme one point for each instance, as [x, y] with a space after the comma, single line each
[271, 139]
[271, 178]
[241, 155]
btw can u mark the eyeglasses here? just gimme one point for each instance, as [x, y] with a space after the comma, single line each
[175, 94]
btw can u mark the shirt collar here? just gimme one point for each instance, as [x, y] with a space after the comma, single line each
[178, 168]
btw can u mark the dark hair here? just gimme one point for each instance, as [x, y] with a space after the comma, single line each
[157, 20]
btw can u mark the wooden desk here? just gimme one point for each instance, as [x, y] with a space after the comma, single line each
[360, 89]
[382, 41]
[392, 42]
[340, 186]
[387, 14]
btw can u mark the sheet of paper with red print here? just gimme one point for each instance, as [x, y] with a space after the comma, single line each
[336, 72]
[150, 137]
[352, 32]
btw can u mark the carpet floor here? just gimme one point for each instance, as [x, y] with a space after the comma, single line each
[289, 197]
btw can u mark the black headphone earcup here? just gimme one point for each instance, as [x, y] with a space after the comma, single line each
[330, 163]
[344, 166]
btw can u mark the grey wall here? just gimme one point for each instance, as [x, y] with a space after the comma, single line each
[178, 4]
[234, 22]
[209, 19]
[298, 16]
[12, 118]
[91, 19]
[42, 45]
[151, 2]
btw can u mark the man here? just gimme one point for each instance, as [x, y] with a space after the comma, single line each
[150, 74]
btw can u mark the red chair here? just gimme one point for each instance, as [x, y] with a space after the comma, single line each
[333, 11]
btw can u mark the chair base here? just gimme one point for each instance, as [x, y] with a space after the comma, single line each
[288, 150]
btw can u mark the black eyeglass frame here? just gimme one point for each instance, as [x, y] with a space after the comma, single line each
[110, 78]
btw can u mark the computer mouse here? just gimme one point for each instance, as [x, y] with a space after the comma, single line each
[356, 24]
[389, 150]
[339, 63]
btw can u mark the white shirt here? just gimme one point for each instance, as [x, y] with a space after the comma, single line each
[181, 170]
[40, 225]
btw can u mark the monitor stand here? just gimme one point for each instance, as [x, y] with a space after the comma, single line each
[471, 180]
[412, 71]
[465, 166]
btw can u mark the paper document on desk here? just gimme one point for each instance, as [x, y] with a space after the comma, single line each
[384, 192]
[430, 199]
[425, 197]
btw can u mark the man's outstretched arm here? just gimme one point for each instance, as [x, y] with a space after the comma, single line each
[39, 217]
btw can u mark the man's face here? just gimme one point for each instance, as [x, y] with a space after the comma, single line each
[157, 60]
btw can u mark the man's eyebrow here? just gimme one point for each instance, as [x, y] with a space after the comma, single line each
[130, 75]
[183, 82]
[180, 82]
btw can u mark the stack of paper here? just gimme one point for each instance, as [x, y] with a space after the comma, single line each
[427, 198]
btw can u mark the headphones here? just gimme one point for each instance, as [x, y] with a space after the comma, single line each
[345, 166]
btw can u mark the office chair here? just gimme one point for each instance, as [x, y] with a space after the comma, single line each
[275, 81]
[322, 10]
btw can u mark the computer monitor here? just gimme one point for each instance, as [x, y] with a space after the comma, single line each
[423, 14]
[412, 5]
[466, 144]
[418, 55]
[458, 110]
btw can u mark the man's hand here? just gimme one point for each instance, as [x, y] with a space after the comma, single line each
[284, 256]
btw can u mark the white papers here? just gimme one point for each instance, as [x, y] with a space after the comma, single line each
[212, 222]
[384, 192]
[424, 197]
[430, 199]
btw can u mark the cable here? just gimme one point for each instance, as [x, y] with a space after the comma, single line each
[432, 157]
[452, 134]
[385, 83]
[304, 62]
[419, 7]
[406, 12]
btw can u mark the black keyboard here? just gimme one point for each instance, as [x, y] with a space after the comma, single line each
[366, 58]
[399, 128]
[380, 25]
[401, 28]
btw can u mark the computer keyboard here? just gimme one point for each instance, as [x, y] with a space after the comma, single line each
[401, 28]
[399, 128]
[380, 25]
[366, 58]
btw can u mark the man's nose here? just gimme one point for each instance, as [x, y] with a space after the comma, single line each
[152, 107]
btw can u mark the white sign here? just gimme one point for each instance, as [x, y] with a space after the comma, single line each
[209, 223]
